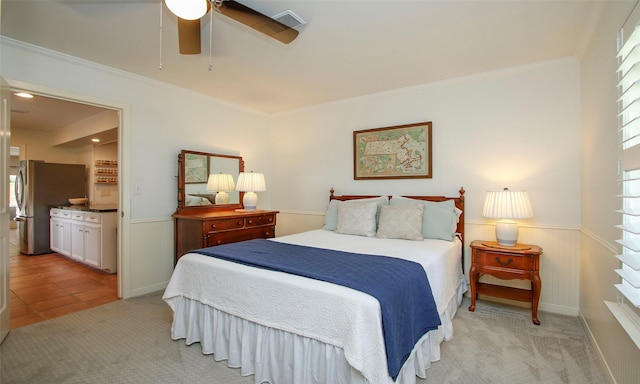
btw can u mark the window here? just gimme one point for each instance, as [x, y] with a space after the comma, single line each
[627, 308]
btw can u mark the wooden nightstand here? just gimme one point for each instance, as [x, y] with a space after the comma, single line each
[506, 263]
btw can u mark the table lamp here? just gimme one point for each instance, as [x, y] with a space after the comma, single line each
[507, 205]
[249, 183]
[221, 183]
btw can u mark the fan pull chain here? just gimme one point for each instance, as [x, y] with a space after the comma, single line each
[160, 65]
[211, 41]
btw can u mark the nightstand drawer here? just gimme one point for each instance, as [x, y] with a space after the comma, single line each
[224, 224]
[500, 260]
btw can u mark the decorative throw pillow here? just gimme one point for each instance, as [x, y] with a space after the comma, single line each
[331, 216]
[439, 218]
[401, 222]
[357, 219]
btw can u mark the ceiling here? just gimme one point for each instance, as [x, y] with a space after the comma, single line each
[346, 49]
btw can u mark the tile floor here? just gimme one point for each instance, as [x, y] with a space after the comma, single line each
[51, 285]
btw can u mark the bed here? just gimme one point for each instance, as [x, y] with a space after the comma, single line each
[288, 328]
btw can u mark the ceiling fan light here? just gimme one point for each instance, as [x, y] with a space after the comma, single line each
[187, 9]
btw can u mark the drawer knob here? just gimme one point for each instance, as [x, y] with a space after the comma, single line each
[250, 221]
[504, 263]
[213, 226]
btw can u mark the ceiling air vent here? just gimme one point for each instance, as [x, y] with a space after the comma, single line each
[289, 19]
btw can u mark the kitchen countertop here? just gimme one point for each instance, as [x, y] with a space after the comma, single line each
[91, 208]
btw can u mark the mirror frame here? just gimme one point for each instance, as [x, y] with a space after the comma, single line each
[182, 208]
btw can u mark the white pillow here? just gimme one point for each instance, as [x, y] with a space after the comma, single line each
[357, 219]
[439, 218]
[401, 222]
[192, 200]
[331, 216]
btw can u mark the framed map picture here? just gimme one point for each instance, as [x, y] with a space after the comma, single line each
[399, 152]
[196, 168]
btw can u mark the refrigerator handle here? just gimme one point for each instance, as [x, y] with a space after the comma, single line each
[19, 189]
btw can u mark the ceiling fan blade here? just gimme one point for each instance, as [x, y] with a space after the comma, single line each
[258, 21]
[189, 36]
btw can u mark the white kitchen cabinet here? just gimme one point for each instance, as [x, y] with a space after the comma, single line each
[60, 231]
[92, 238]
[78, 248]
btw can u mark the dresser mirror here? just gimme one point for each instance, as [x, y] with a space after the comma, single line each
[206, 181]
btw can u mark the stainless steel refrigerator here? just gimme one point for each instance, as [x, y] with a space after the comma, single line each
[40, 186]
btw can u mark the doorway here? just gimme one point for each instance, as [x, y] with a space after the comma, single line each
[51, 285]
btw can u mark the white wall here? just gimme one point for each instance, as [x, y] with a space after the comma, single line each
[599, 186]
[516, 128]
[36, 145]
[157, 122]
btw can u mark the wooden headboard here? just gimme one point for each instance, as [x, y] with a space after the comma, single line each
[458, 200]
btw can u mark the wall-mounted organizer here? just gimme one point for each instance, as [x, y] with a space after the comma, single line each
[107, 163]
[106, 180]
[108, 173]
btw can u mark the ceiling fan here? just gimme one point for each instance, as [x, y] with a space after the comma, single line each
[189, 13]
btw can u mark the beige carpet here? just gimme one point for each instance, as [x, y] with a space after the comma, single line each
[129, 342]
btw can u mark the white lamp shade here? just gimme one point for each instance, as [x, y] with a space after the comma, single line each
[220, 182]
[251, 182]
[187, 9]
[507, 205]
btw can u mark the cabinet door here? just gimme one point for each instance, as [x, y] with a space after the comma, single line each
[77, 240]
[54, 234]
[64, 232]
[92, 246]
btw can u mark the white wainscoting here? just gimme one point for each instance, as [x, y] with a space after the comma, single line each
[559, 263]
[151, 263]
[152, 256]
[290, 222]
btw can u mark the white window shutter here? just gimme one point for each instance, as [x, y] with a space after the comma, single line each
[629, 134]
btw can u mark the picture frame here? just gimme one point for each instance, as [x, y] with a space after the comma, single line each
[196, 168]
[396, 152]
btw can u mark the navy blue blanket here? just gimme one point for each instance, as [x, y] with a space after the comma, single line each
[401, 286]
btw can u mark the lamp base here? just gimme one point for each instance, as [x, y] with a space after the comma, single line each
[250, 201]
[507, 233]
[222, 197]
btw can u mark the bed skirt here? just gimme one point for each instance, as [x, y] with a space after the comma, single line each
[280, 357]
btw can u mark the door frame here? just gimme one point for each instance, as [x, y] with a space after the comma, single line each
[124, 161]
[5, 137]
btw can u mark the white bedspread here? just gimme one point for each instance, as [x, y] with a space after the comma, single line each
[317, 310]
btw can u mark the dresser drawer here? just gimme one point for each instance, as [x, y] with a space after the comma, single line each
[211, 228]
[224, 224]
[219, 238]
[499, 260]
[260, 220]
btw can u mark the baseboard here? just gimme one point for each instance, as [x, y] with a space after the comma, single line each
[149, 289]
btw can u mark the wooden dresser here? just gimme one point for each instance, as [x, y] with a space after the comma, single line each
[207, 229]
